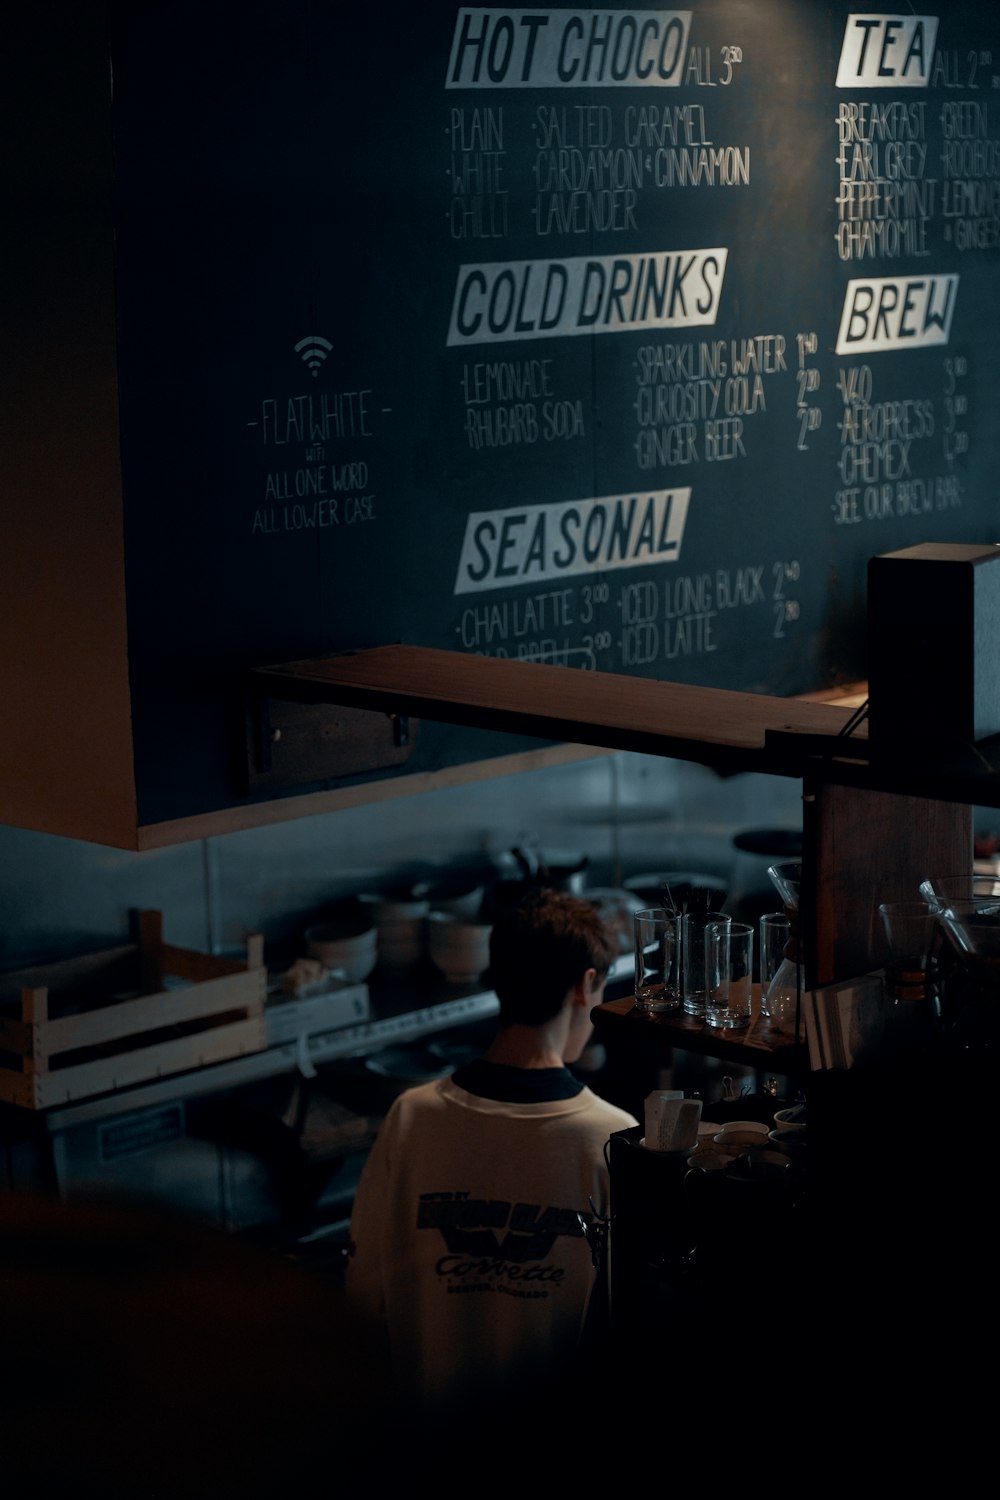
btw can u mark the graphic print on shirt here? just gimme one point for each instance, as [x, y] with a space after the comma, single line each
[489, 1242]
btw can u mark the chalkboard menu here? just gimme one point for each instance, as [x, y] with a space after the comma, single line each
[609, 336]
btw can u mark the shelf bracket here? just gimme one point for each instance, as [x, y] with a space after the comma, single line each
[285, 744]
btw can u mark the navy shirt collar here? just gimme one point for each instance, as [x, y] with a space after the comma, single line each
[499, 1081]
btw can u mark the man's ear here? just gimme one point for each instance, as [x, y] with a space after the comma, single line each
[589, 986]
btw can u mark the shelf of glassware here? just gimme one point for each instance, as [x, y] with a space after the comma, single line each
[873, 825]
[759, 1046]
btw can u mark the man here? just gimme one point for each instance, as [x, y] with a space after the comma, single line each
[467, 1247]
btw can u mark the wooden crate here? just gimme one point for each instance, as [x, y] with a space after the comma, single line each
[107, 1020]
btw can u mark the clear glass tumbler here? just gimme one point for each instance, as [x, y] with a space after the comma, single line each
[775, 933]
[729, 975]
[694, 986]
[656, 961]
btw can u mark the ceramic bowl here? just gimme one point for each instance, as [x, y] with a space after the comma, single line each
[461, 895]
[748, 1127]
[789, 1139]
[709, 1161]
[739, 1140]
[398, 952]
[353, 954]
[459, 949]
[401, 927]
[386, 911]
[759, 1166]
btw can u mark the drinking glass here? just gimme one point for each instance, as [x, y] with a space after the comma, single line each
[729, 975]
[694, 988]
[909, 929]
[787, 985]
[775, 931]
[656, 968]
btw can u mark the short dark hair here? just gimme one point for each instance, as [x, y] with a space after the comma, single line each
[540, 948]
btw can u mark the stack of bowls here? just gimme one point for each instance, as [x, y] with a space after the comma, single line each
[458, 947]
[400, 922]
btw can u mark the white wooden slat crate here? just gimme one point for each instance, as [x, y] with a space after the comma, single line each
[107, 1020]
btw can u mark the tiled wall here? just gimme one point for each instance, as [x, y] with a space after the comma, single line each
[627, 813]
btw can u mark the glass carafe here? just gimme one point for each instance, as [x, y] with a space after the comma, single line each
[781, 1003]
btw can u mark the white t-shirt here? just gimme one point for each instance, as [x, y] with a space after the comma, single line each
[466, 1244]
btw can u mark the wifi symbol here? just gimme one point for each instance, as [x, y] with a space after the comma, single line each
[313, 350]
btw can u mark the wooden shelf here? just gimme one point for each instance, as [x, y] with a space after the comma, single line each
[873, 825]
[755, 1047]
[731, 731]
[712, 725]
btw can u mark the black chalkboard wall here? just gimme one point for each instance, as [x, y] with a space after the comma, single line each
[613, 337]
